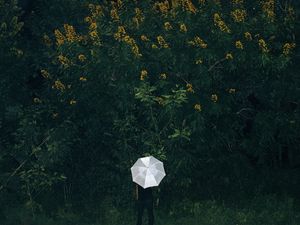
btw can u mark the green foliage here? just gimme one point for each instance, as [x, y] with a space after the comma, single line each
[209, 88]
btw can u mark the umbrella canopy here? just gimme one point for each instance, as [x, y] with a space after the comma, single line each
[148, 172]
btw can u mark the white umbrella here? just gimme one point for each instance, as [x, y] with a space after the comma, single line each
[148, 172]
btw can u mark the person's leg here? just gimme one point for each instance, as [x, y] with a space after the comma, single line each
[140, 210]
[150, 213]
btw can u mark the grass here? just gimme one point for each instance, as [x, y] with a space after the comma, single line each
[267, 210]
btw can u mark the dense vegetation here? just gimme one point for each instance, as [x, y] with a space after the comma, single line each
[209, 87]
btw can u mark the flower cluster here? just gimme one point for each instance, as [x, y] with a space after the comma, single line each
[188, 6]
[139, 18]
[167, 26]
[60, 38]
[143, 75]
[96, 11]
[183, 28]
[162, 7]
[220, 23]
[58, 85]
[248, 36]
[229, 56]
[287, 47]
[239, 45]
[263, 46]
[121, 35]
[162, 42]
[268, 7]
[71, 35]
[199, 61]
[198, 42]
[163, 76]
[81, 58]
[238, 15]
[93, 33]
[64, 60]
[189, 88]
[197, 107]
[114, 14]
[214, 98]
[82, 78]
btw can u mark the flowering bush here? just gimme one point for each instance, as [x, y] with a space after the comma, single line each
[209, 87]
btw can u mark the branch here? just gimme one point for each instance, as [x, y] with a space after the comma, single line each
[215, 64]
[23, 163]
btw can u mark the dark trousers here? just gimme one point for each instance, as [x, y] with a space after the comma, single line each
[141, 206]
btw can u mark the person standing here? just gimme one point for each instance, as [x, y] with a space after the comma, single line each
[144, 198]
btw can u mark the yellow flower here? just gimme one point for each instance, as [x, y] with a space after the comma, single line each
[97, 11]
[162, 42]
[139, 18]
[248, 36]
[45, 74]
[88, 19]
[63, 60]
[120, 34]
[220, 23]
[162, 7]
[231, 90]
[287, 47]
[183, 28]
[59, 85]
[72, 102]
[167, 26]
[93, 26]
[214, 98]
[198, 42]
[94, 34]
[199, 61]
[154, 46]
[135, 49]
[198, 107]
[268, 7]
[144, 74]
[229, 56]
[188, 6]
[70, 33]
[163, 76]
[239, 45]
[190, 88]
[60, 38]
[81, 57]
[238, 15]
[82, 79]
[114, 15]
[263, 46]
[144, 38]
